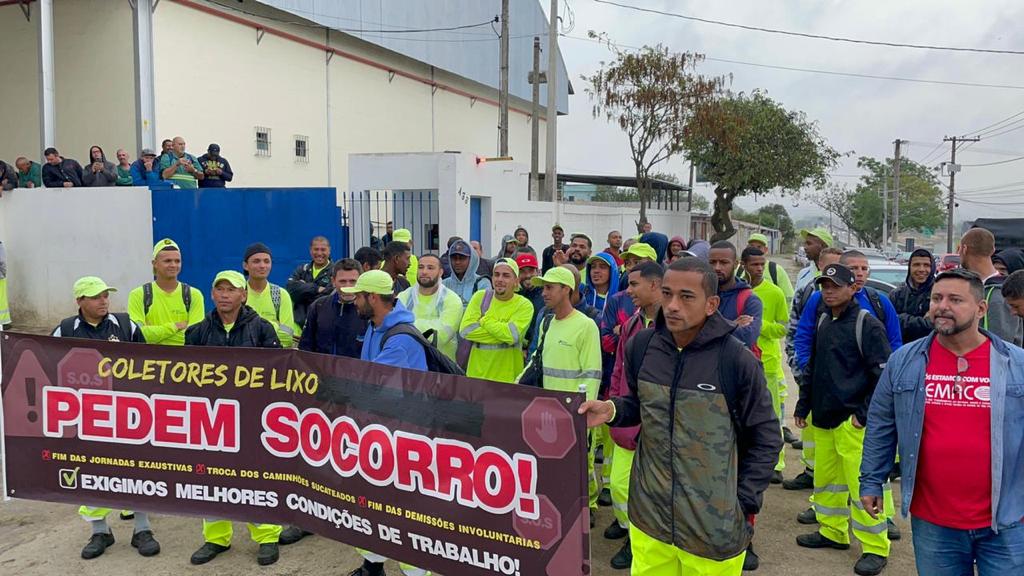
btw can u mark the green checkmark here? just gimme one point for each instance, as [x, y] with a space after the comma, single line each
[69, 477]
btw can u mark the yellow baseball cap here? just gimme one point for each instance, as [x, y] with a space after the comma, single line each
[234, 278]
[641, 250]
[372, 282]
[401, 235]
[90, 286]
[165, 244]
[556, 275]
[821, 233]
[758, 238]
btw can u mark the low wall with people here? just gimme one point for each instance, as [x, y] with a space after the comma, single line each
[53, 236]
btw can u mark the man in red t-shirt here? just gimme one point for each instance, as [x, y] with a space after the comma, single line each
[954, 404]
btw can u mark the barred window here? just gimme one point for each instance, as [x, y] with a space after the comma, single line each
[302, 149]
[262, 141]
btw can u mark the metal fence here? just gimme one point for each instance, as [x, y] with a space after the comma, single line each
[365, 214]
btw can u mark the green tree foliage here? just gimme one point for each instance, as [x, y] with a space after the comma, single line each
[652, 94]
[748, 143]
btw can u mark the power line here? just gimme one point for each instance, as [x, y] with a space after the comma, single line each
[979, 131]
[1000, 133]
[807, 35]
[994, 187]
[995, 163]
[832, 72]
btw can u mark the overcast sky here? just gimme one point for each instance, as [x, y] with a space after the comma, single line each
[858, 115]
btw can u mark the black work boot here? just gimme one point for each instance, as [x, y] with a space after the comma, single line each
[870, 565]
[208, 551]
[807, 517]
[369, 569]
[894, 530]
[777, 477]
[623, 559]
[97, 545]
[291, 535]
[605, 499]
[751, 561]
[614, 531]
[268, 554]
[803, 481]
[144, 542]
[816, 540]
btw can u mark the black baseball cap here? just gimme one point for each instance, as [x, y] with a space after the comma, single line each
[837, 273]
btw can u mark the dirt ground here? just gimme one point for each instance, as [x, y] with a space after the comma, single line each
[43, 539]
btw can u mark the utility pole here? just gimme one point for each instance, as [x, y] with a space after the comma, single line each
[689, 195]
[897, 191]
[536, 78]
[550, 170]
[503, 87]
[885, 207]
[953, 169]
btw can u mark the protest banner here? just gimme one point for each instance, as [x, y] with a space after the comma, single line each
[452, 474]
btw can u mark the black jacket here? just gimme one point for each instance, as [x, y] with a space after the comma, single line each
[709, 440]
[113, 328]
[67, 171]
[912, 302]
[249, 331]
[333, 327]
[547, 257]
[8, 176]
[212, 180]
[843, 377]
[305, 289]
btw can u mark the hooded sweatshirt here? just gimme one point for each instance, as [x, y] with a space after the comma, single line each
[401, 350]
[700, 249]
[752, 307]
[1012, 258]
[677, 239]
[658, 241]
[590, 295]
[470, 282]
[912, 302]
[505, 240]
[107, 176]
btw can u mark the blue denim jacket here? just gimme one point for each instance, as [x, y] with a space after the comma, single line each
[896, 417]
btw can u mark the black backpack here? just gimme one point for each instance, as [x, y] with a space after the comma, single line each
[436, 360]
[147, 297]
[874, 298]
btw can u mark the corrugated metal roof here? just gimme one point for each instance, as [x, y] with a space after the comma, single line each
[470, 52]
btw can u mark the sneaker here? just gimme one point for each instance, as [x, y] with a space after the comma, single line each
[208, 551]
[798, 445]
[614, 531]
[870, 565]
[268, 554]
[776, 477]
[291, 535]
[751, 561]
[894, 530]
[787, 435]
[816, 540]
[803, 481]
[623, 559]
[144, 542]
[369, 569]
[127, 515]
[97, 545]
[807, 517]
[605, 499]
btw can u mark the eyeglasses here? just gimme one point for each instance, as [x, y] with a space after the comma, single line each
[962, 366]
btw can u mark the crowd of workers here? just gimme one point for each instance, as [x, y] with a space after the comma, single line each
[679, 347]
[173, 166]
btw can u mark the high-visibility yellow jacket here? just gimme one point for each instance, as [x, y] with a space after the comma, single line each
[168, 308]
[496, 336]
[572, 355]
[440, 312]
[281, 316]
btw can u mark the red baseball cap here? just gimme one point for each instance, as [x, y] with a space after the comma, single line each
[527, 260]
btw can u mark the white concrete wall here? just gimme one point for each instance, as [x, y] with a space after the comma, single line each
[54, 236]
[93, 80]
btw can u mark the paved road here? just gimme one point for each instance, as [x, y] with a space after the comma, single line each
[42, 539]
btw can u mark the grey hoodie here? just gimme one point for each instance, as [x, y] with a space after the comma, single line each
[1000, 320]
[470, 281]
[105, 177]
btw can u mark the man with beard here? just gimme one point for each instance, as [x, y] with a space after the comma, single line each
[951, 403]
[311, 280]
[837, 393]
[912, 298]
[577, 253]
[737, 300]
[374, 293]
[464, 280]
[435, 307]
[333, 324]
[495, 325]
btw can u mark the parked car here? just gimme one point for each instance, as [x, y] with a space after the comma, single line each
[874, 255]
[887, 276]
[946, 262]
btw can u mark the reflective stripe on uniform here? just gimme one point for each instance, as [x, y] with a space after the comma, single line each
[515, 333]
[465, 332]
[493, 346]
[571, 374]
[876, 529]
[834, 488]
[825, 510]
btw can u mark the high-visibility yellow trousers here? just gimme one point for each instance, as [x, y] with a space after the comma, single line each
[407, 569]
[594, 482]
[655, 558]
[220, 532]
[603, 439]
[90, 514]
[622, 465]
[777, 389]
[837, 490]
